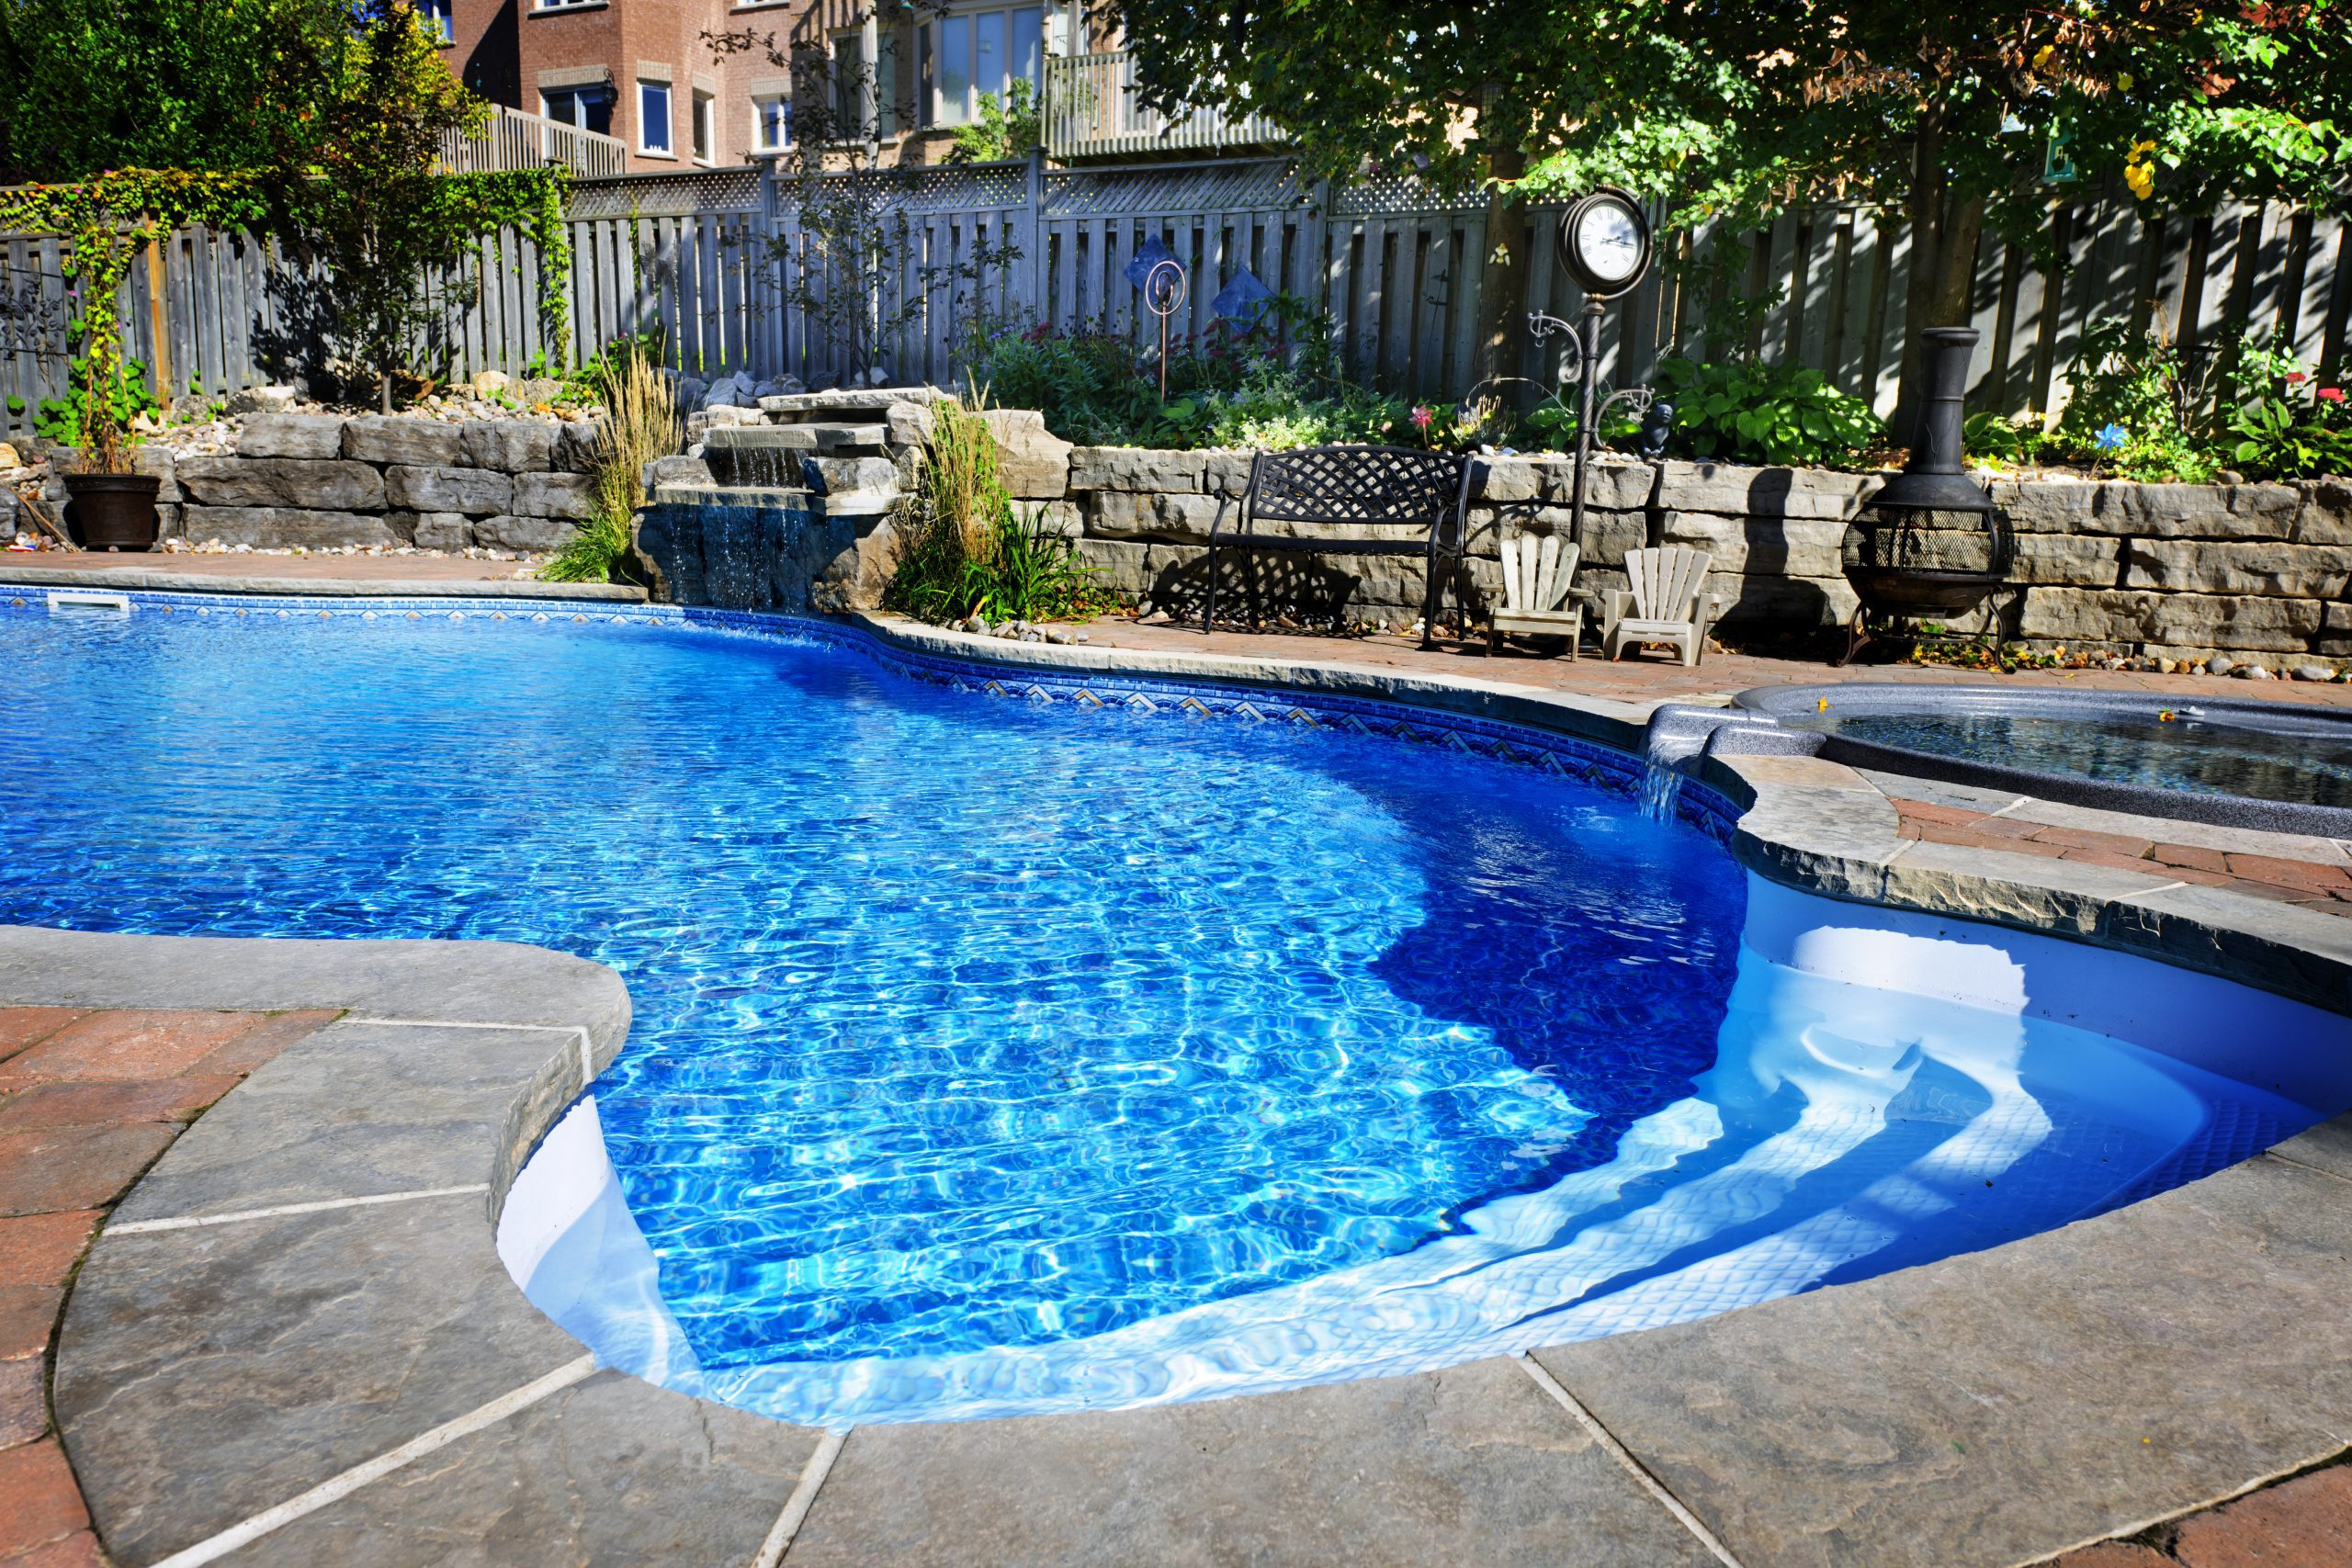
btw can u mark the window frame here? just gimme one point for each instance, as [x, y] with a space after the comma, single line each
[668, 148]
[565, 4]
[704, 143]
[443, 12]
[574, 94]
[935, 65]
[782, 102]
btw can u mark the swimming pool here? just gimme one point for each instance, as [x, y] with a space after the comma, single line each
[1016, 1053]
[2284, 766]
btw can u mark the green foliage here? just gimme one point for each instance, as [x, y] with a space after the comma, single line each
[969, 551]
[1742, 109]
[641, 424]
[1273, 386]
[1008, 127]
[91, 85]
[1747, 410]
[2285, 436]
[1751, 106]
[333, 154]
[62, 420]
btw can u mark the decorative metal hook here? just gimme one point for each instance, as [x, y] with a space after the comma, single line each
[1164, 287]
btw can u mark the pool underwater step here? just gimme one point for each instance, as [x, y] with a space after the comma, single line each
[2251, 1239]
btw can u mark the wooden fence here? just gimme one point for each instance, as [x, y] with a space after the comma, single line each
[720, 264]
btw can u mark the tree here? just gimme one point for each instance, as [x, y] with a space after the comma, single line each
[1738, 108]
[87, 85]
[318, 122]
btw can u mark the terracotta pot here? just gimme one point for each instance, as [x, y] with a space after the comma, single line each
[114, 512]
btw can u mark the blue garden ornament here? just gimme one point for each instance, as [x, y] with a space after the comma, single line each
[1148, 254]
[1243, 301]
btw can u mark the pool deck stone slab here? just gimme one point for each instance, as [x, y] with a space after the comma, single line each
[1987, 1409]
[1992, 1407]
[1473, 1466]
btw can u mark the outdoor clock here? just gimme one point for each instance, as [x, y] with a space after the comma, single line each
[1605, 242]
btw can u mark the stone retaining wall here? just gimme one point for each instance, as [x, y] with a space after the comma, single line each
[318, 481]
[2160, 571]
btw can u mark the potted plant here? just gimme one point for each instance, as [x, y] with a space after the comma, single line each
[113, 505]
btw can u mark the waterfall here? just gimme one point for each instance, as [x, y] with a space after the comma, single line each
[1661, 787]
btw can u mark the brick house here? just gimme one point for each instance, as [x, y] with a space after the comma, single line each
[646, 70]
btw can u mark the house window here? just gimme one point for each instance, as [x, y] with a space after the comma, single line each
[653, 117]
[433, 15]
[849, 82]
[563, 5]
[590, 107]
[706, 128]
[983, 52]
[771, 124]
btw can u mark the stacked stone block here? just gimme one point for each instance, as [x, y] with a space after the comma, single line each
[325, 480]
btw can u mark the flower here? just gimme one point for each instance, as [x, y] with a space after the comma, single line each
[2296, 378]
[2111, 437]
[2141, 178]
[2332, 394]
[1421, 416]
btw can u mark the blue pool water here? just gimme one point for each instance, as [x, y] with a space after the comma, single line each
[993, 1055]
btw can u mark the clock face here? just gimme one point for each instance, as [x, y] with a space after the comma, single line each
[1608, 242]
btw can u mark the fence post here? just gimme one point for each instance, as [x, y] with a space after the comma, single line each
[1034, 242]
[159, 362]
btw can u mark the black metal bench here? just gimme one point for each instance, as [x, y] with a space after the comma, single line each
[1355, 487]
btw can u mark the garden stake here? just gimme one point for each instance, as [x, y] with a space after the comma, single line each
[1163, 293]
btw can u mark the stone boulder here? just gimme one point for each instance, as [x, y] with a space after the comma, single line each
[399, 438]
[510, 445]
[576, 445]
[279, 527]
[301, 482]
[475, 491]
[508, 533]
[432, 530]
[1033, 462]
[553, 495]
[313, 435]
[261, 400]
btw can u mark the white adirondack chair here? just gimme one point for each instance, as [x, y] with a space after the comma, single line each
[1669, 602]
[1537, 571]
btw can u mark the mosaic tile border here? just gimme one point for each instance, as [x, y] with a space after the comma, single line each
[1583, 761]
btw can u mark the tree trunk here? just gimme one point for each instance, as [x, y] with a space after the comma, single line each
[384, 389]
[1944, 231]
[1502, 274]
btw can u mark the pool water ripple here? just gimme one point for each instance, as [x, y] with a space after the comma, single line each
[992, 1055]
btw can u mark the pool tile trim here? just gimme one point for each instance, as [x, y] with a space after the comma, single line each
[1813, 825]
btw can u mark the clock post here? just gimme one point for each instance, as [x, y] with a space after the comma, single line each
[1605, 243]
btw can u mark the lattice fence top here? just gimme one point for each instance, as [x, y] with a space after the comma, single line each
[666, 196]
[1236, 187]
[960, 187]
[1379, 196]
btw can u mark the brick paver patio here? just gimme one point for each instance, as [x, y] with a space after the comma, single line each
[88, 1099]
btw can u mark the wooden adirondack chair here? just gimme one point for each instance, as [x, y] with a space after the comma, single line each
[1537, 571]
[1669, 602]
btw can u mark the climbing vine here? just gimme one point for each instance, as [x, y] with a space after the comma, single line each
[107, 222]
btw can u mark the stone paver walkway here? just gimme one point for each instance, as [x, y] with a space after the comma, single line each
[2284, 868]
[88, 1099]
[1651, 677]
[2303, 1523]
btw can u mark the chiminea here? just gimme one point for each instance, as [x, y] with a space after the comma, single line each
[1931, 545]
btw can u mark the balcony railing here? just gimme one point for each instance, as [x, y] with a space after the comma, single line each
[513, 140]
[1092, 111]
